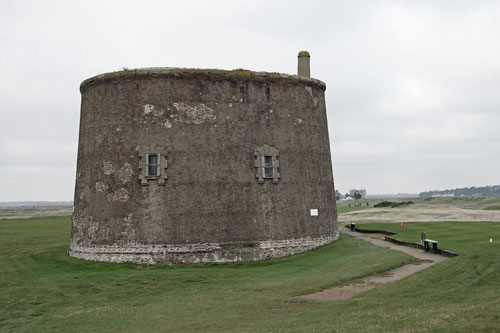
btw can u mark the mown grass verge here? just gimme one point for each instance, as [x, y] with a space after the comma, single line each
[467, 238]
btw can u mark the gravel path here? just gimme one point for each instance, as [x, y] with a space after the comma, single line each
[370, 282]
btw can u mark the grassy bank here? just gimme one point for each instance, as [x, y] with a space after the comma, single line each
[45, 290]
[466, 238]
[458, 295]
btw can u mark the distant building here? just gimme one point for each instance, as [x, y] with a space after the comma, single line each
[338, 195]
[447, 195]
[358, 194]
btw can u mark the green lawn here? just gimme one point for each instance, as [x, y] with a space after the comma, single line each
[466, 238]
[348, 205]
[42, 289]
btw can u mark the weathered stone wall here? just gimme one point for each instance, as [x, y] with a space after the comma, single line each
[198, 253]
[211, 205]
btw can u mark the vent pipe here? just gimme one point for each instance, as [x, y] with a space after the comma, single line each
[304, 67]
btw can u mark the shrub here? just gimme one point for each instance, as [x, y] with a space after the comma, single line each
[393, 204]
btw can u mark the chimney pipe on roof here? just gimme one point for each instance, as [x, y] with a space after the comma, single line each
[304, 67]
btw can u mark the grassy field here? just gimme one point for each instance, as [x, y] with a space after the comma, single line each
[45, 290]
[348, 206]
[467, 238]
[464, 203]
[34, 211]
[42, 289]
[424, 210]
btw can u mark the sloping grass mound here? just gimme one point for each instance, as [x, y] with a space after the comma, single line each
[45, 290]
[494, 207]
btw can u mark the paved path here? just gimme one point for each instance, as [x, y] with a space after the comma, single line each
[371, 282]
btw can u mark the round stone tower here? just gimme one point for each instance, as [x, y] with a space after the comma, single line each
[192, 165]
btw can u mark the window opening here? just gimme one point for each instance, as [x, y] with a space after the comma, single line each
[267, 167]
[267, 164]
[153, 166]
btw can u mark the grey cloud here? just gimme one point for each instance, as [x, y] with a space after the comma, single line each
[412, 86]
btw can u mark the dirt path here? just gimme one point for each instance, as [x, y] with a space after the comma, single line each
[370, 282]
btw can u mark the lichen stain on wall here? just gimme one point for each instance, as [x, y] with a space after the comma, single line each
[101, 187]
[119, 195]
[151, 109]
[167, 123]
[128, 231]
[197, 114]
[99, 139]
[315, 99]
[125, 173]
[187, 114]
[107, 168]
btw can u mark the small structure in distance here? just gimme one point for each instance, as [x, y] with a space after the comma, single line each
[358, 194]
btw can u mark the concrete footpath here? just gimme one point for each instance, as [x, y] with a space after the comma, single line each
[370, 282]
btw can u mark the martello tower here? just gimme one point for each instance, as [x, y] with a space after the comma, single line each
[193, 165]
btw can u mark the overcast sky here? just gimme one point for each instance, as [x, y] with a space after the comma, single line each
[413, 87]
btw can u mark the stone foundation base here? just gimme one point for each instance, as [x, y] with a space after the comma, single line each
[198, 253]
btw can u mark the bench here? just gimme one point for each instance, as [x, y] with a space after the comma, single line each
[434, 245]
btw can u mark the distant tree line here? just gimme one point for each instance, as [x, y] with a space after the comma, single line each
[484, 191]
